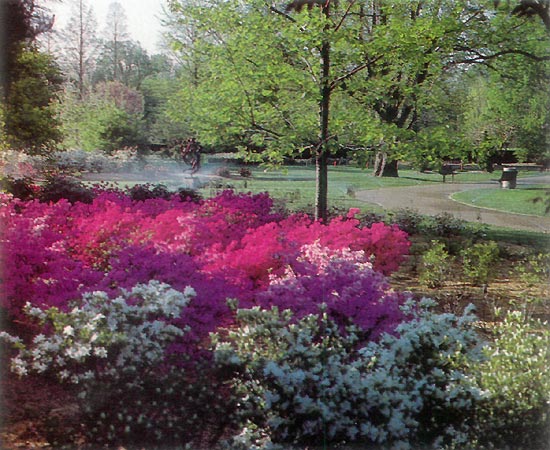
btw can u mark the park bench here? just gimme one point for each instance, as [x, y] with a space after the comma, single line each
[447, 169]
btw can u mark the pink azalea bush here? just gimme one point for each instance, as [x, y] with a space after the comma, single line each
[229, 246]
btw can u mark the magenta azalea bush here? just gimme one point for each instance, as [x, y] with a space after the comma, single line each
[229, 246]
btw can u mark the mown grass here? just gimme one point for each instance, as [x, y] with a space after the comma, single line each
[295, 185]
[520, 200]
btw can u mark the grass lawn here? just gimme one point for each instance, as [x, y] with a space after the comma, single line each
[296, 184]
[519, 200]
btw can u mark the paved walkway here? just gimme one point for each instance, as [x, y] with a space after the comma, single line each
[435, 199]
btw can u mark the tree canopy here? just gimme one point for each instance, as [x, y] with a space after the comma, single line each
[280, 79]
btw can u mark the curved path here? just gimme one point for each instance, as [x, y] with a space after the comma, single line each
[436, 199]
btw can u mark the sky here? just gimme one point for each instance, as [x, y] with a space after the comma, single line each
[143, 18]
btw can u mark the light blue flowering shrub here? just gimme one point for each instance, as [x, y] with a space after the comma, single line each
[112, 354]
[303, 381]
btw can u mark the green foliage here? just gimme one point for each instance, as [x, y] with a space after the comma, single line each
[157, 92]
[509, 109]
[432, 146]
[108, 120]
[478, 261]
[516, 376]
[31, 124]
[435, 265]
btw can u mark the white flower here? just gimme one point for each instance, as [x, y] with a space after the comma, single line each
[68, 331]
[101, 352]
[19, 366]
[78, 352]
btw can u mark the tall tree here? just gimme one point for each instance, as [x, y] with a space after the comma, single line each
[116, 32]
[134, 64]
[21, 21]
[279, 80]
[30, 79]
[31, 120]
[79, 45]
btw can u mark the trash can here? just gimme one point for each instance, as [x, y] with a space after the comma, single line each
[508, 178]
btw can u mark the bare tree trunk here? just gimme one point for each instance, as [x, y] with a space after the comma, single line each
[384, 167]
[81, 50]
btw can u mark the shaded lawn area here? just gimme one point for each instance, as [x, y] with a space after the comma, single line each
[520, 200]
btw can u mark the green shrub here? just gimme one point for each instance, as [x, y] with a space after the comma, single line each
[516, 378]
[435, 265]
[478, 260]
[408, 220]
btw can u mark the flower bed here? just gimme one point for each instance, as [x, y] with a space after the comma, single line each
[165, 316]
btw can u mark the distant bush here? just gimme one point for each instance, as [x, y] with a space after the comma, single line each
[408, 220]
[245, 172]
[434, 267]
[59, 187]
[21, 188]
[140, 192]
[446, 225]
[223, 172]
[478, 261]
[186, 194]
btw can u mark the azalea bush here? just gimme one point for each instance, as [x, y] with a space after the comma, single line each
[234, 242]
[345, 283]
[69, 264]
[516, 378]
[305, 381]
[115, 355]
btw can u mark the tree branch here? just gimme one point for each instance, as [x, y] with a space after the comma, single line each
[351, 3]
[351, 73]
[479, 57]
[281, 13]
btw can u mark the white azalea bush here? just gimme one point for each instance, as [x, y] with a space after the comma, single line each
[304, 381]
[516, 377]
[113, 353]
